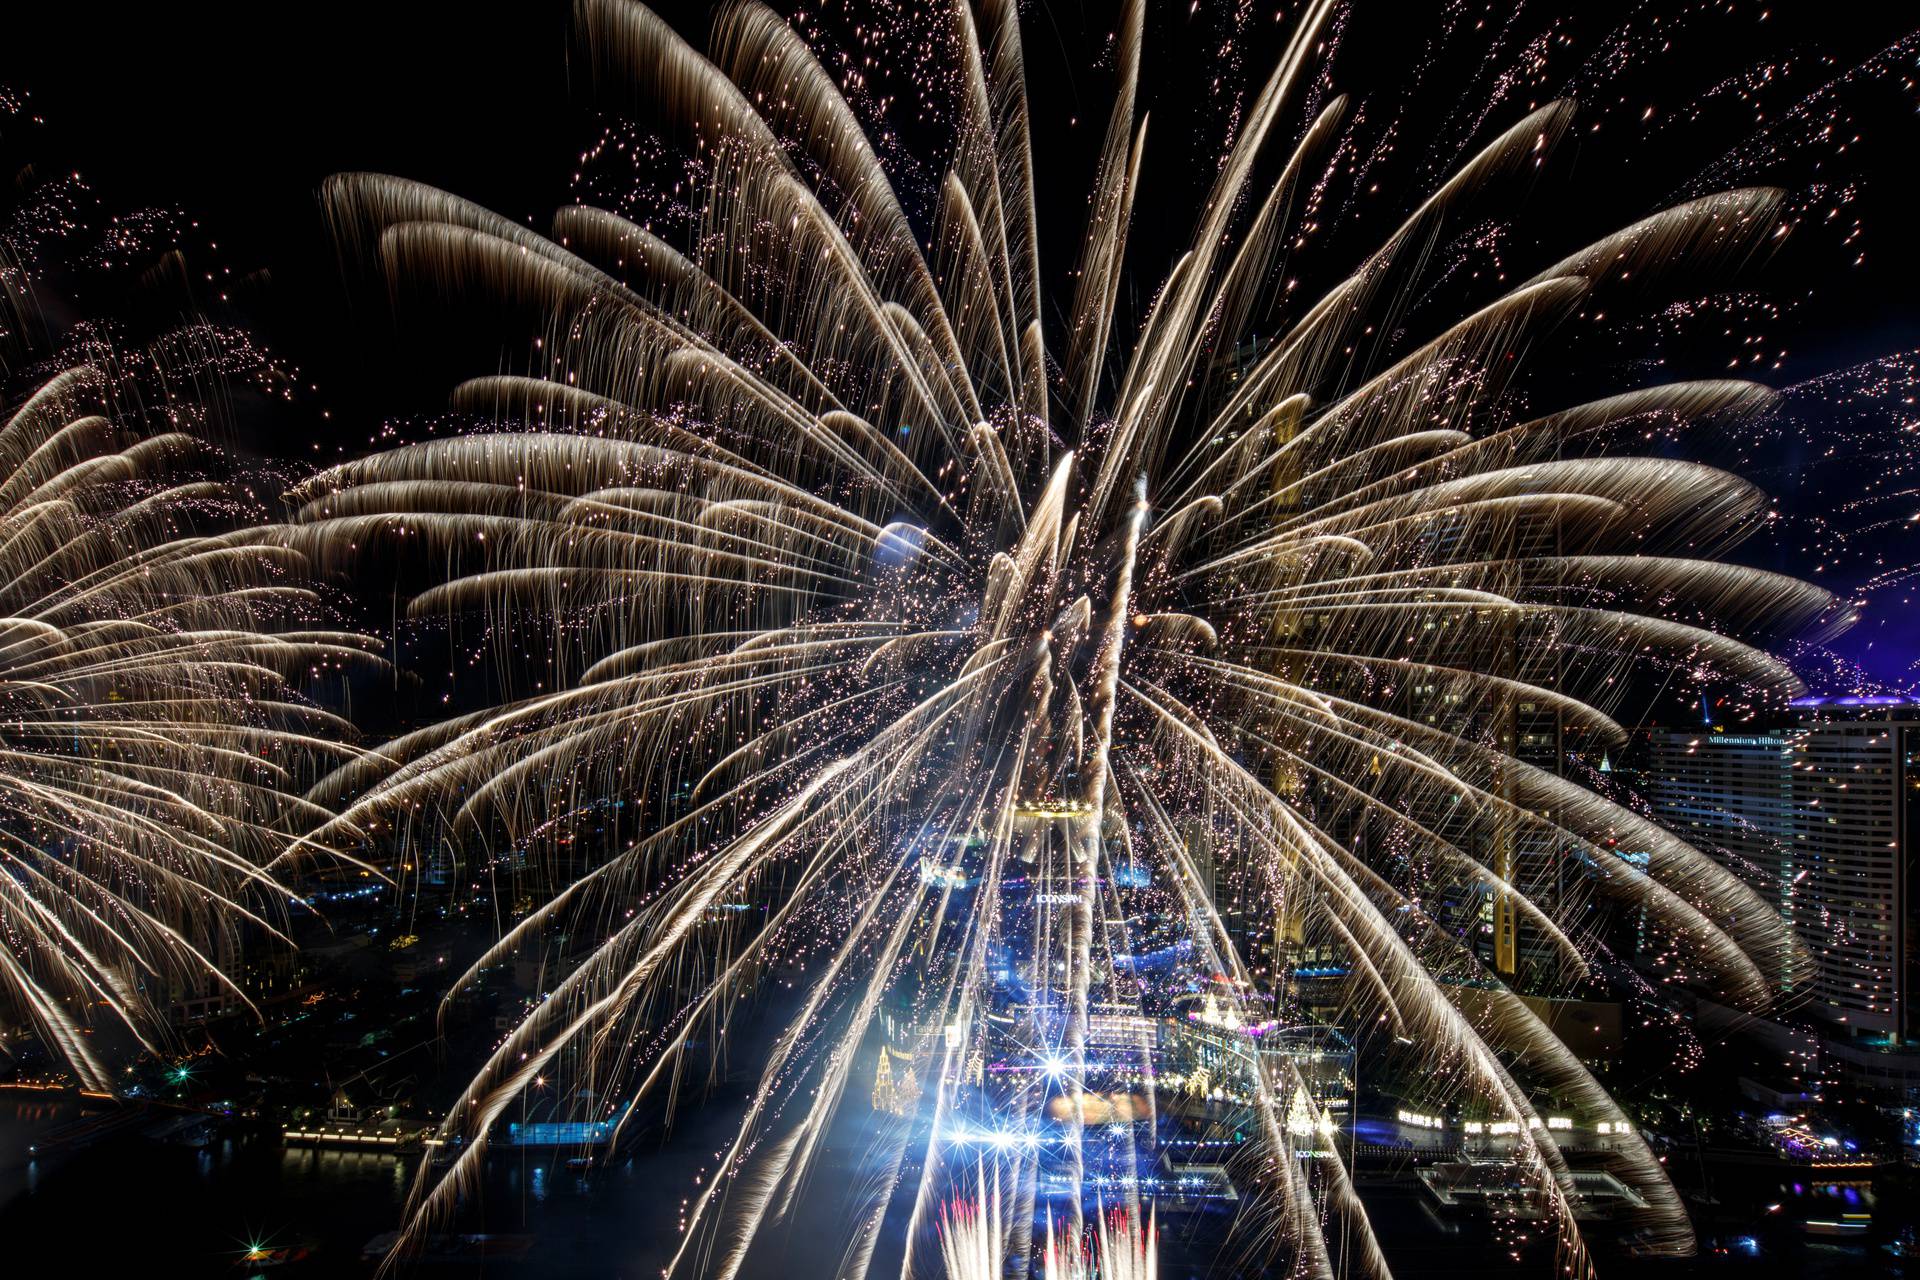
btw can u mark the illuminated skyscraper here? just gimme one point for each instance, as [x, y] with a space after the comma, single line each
[1818, 818]
[1731, 794]
[1855, 794]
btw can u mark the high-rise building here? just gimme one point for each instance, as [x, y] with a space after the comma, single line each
[1856, 790]
[1731, 795]
[1818, 818]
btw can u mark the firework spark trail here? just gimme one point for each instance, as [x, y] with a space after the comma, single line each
[845, 574]
[1122, 1247]
[152, 745]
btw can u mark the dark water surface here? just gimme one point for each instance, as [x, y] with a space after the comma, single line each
[133, 1206]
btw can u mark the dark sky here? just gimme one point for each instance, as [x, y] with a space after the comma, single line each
[235, 112]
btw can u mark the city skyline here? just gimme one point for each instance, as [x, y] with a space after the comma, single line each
[1177, 641]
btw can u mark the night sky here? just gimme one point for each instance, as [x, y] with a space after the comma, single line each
[727, 781]
[233, 113]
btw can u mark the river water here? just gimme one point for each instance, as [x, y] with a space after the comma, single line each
[132, 1206]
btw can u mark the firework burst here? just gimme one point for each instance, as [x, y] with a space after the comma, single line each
[1122, 1247]
[151, 643]
[913, 630]
[154, 748]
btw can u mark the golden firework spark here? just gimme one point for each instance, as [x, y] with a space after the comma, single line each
[869, 566]
[155, 749]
